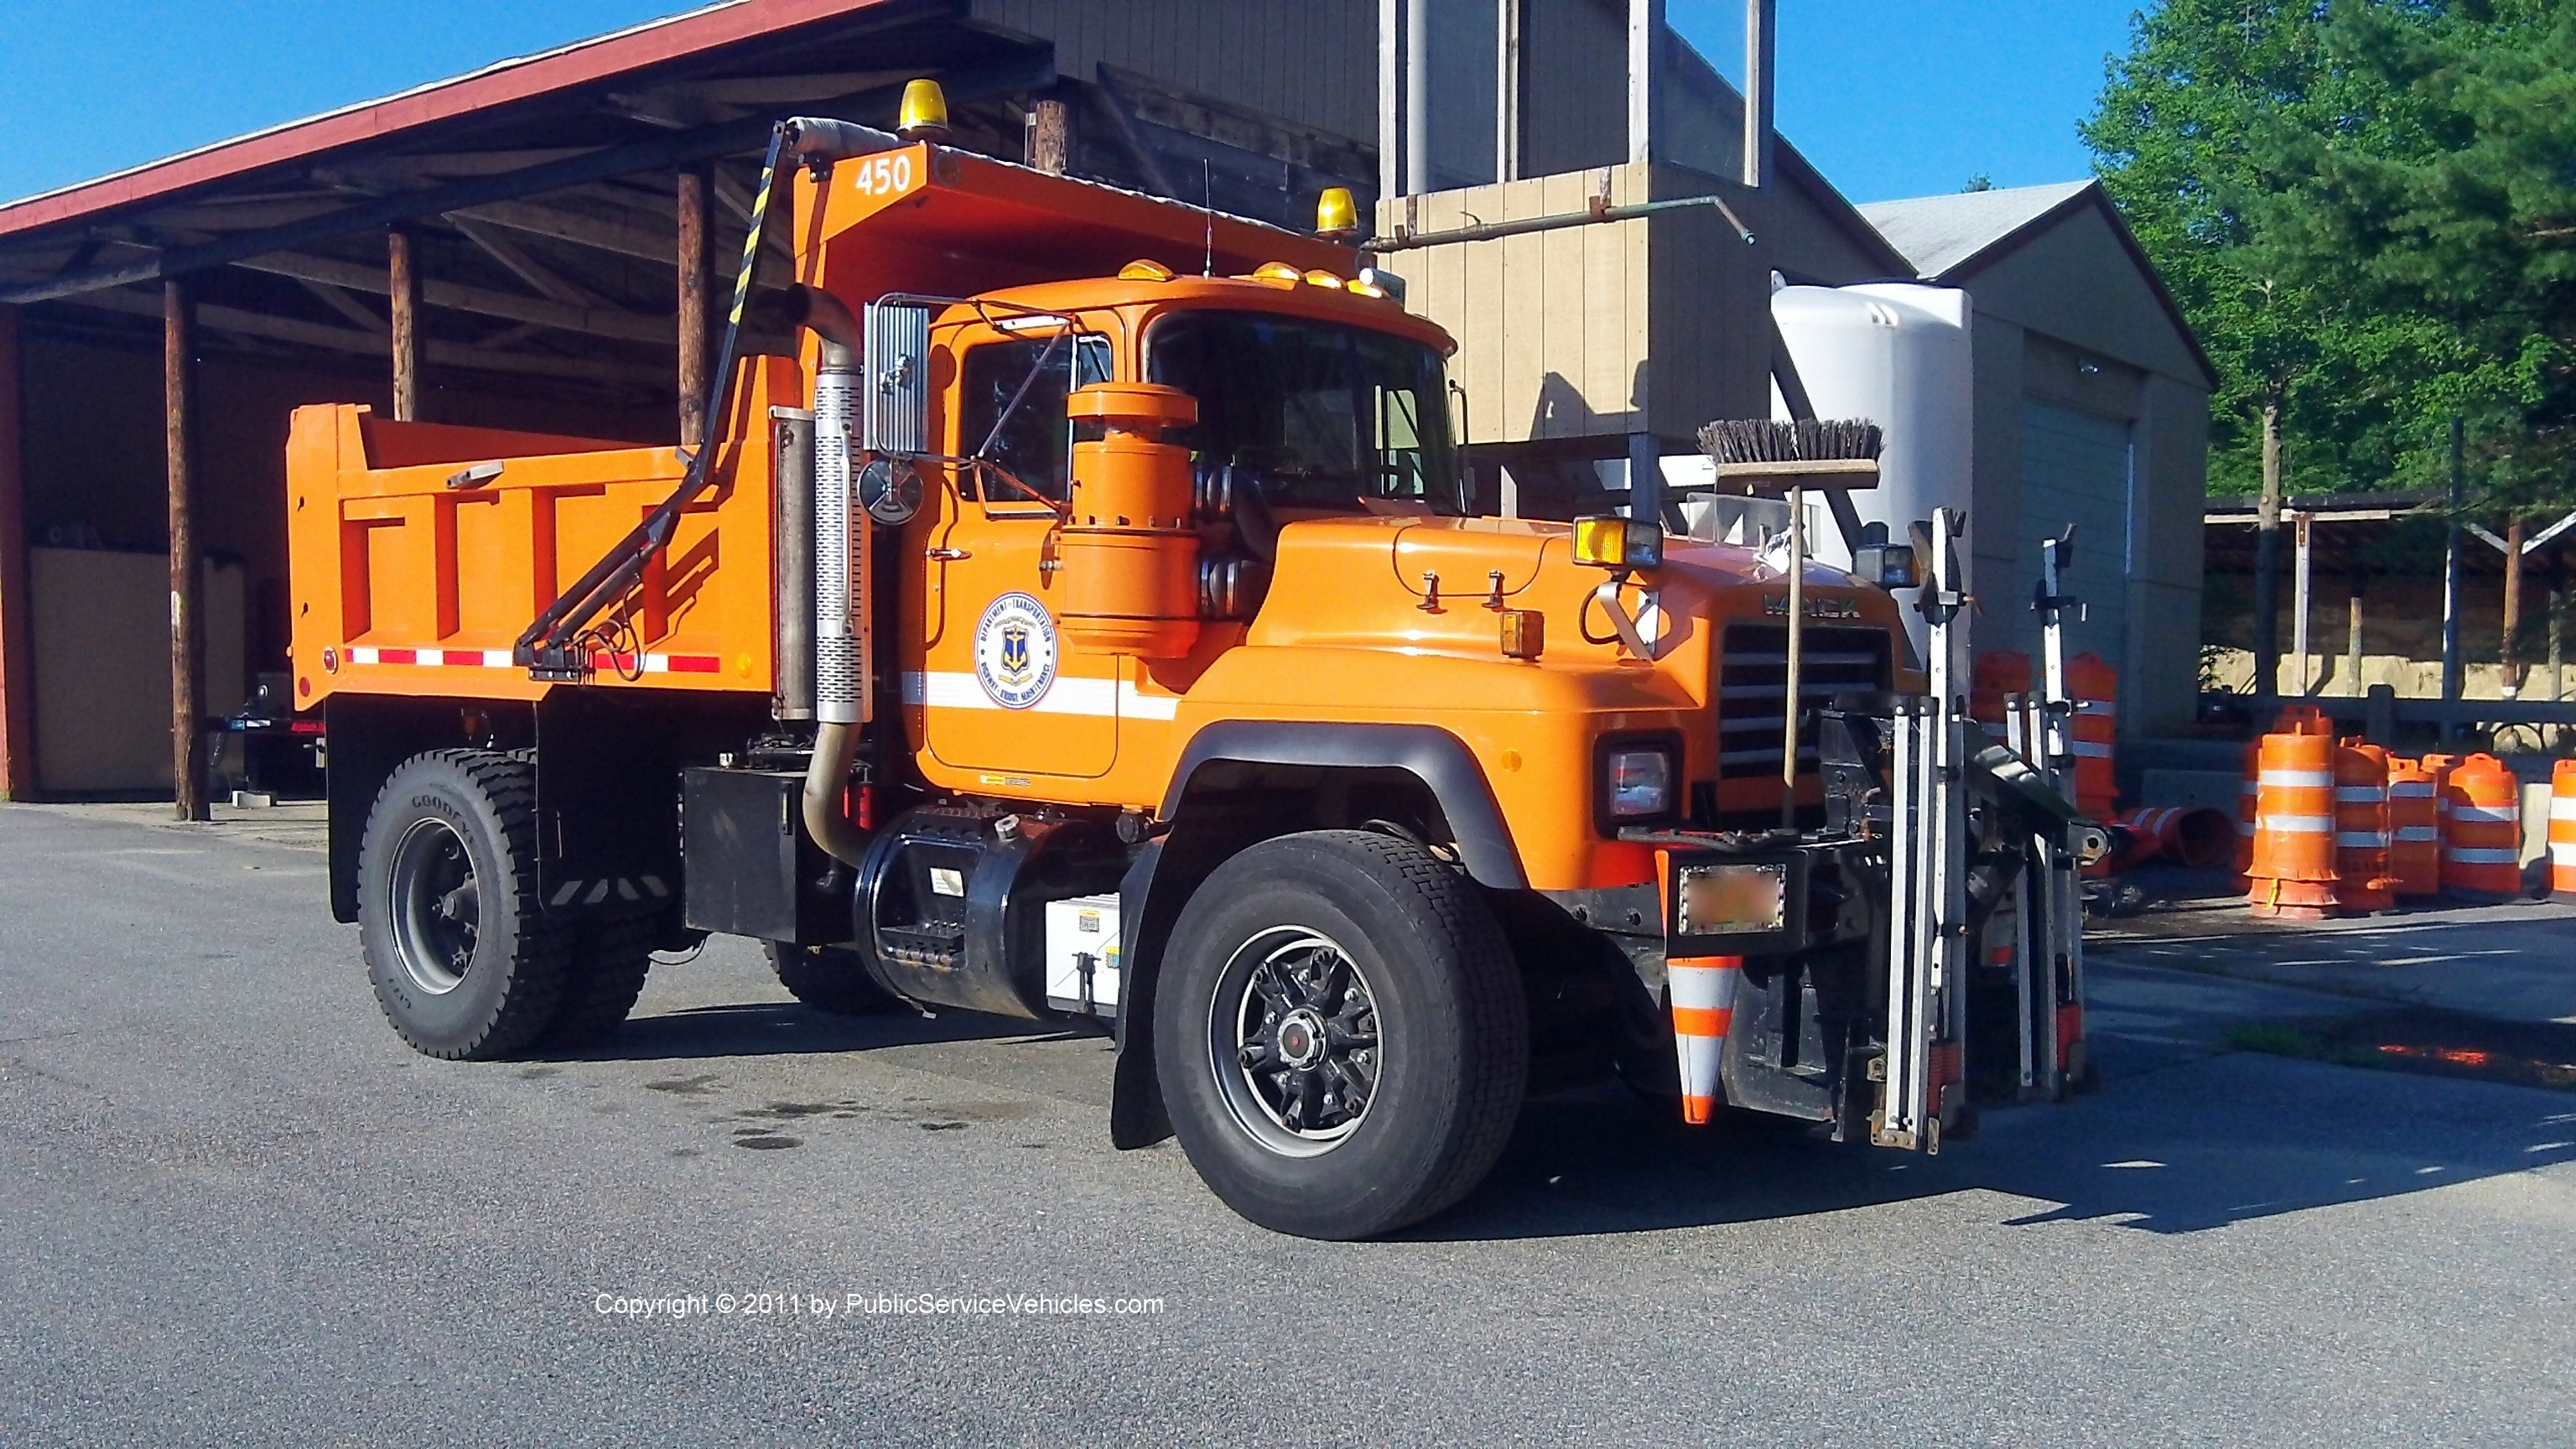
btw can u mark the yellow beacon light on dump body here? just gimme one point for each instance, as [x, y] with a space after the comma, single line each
[1336, 215]
[924, 116]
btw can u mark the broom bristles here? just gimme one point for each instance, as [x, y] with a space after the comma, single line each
[1770, 440]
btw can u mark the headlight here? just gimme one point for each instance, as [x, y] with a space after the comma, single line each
[1610, 542]
[1637, 783]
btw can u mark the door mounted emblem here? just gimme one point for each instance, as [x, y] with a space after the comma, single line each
[1015, 651]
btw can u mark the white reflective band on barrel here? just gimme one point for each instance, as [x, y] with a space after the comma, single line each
[2417, 833]
[2297, 779]
[2411, 789]
[2300, 824]
[2487, 815]
[2563, 808]
[2358, 794]
[2361, 840]
[2562, 852]
[2092, 751]
[2483, 857]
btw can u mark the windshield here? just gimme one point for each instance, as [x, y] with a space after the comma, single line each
[1324, 416]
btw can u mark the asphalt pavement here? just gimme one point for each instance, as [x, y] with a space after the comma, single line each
[234, 1208]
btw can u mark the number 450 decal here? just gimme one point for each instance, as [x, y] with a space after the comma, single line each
[886, 175]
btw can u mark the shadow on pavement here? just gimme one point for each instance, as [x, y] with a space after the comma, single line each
[762, 1029]
[2234, 1138]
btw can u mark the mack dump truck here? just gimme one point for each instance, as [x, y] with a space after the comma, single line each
[1090, 622]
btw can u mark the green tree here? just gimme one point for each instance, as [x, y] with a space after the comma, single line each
[2441, 203]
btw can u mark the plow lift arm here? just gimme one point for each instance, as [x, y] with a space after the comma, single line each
[1972, 825]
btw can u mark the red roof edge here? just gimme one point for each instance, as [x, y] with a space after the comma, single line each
[520, 78]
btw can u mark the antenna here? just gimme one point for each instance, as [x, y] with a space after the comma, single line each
[1207, 208]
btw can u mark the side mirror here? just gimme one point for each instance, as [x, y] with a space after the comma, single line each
[894, 401]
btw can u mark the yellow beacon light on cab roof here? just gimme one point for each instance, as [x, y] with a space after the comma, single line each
[1336, 215]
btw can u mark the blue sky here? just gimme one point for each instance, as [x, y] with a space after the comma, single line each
[1888, 97]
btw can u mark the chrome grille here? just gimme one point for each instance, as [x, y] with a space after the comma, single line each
[1753, 686]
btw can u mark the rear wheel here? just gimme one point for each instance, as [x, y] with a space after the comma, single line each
[1340, 1034]
[463, 962]
[609, 963]
[827, 978]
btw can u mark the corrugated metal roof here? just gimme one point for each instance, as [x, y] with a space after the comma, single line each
[650, 43]
[1939, 234]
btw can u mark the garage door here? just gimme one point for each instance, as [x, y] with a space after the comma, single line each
[2075, 469]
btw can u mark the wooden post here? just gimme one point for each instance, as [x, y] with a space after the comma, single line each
[692, 244]
[1645, 77]
[2557, 629]
[404, 270]
[1511, 18]
[2303, 572]
[2267, 568]
[17, 674]
[2508, 658]
[2352, 632]
[1050, 135]
[178, 408]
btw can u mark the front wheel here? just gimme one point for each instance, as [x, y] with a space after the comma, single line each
[1340, 1033]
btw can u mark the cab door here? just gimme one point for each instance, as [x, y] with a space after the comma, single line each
[1000, 691]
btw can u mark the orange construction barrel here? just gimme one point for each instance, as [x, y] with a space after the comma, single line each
[2293, 870]
[2562, 828]
[2094, 688]
[2363, 881]
[2482, 842]
[2414, 828]
[1998, 673]
[2245, 813]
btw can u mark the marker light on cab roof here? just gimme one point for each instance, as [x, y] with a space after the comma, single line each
[1277, 272]
[1145, 269]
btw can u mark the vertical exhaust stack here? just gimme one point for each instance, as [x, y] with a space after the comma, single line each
[1761, 52]
[840, 571]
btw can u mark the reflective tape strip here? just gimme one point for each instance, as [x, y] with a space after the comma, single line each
[2092, 751]
[2487, 815]
[2410, 789]
[2359, 794]
[2417, 834]
[2562, 852]
[2563, 808]
[2299, 824]
[2361, 840]
[2297, 779]
[2472, 856]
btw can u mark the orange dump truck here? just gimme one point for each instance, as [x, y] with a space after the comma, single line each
[1092, 622]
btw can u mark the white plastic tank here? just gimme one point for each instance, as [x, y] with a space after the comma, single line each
[1896, 353]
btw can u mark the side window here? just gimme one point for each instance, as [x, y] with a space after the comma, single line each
[1034, 443]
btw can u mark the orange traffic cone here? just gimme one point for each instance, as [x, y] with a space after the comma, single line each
[1702, 989]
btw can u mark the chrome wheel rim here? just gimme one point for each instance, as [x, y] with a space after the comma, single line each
[1293, 1041]
[437, 913]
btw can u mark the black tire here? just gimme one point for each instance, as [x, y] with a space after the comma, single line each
[1261, 1096]
[464, 962]
[609, 963]
[827, 978]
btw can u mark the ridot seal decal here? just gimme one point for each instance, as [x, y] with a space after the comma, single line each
[1015, 651]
